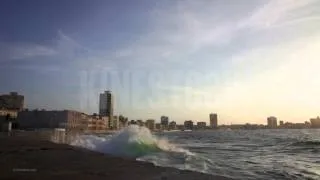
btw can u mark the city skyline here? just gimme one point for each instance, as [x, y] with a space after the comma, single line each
[244, 60]
[13, 102]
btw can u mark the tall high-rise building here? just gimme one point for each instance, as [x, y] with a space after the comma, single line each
[150, 123]
[272, 122]
[164, 122]
[106, 106]
[213, 120]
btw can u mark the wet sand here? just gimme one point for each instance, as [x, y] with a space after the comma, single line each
[30, 158]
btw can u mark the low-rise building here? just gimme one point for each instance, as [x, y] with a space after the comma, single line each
[12, 101]
[66, 119]
[11, 113]
[140, 122]
[133, 122]
[123, 122]
[201, 125]
[115, 124]
[180, 127]
[70, 120]
[10, 105]
[158, 126]
[96, 123]
[172, 125]
[281, 123]
[188, 125]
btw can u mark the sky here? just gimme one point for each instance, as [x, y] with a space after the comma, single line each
[244, 60]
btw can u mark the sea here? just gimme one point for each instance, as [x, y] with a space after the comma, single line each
[238, 154]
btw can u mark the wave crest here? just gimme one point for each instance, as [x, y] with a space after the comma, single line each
[133, 141]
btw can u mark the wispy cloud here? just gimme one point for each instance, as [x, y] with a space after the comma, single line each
[47, 57]
[190, 26]
[175, 32]
[17, 51]
[276, 12]
[62, 45]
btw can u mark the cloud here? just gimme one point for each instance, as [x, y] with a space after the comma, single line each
[274, 12]
[188, 27]
[63, 45]
[64, 52]
[17, 51]
[69, 48]
[175, 33]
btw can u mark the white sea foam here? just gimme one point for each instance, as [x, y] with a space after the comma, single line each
[133, 141]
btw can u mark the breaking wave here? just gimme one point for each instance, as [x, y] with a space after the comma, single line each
[133, 141]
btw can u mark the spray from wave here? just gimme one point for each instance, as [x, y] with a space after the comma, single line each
[139, 143]
[133, 141]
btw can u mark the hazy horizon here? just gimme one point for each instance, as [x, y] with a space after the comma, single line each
[244, 60]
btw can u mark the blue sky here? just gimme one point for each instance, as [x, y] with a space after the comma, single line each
[244, 60]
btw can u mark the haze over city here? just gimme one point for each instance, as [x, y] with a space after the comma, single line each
[245, 61]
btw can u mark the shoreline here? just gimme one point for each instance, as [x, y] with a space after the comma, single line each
[32, 158]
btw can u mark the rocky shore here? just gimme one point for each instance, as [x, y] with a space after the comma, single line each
[31, 158]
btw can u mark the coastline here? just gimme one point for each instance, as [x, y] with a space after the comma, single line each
[33, 158]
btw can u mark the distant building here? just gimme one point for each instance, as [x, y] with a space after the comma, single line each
[281, 123]
[172, 125]
[12, 101]
[213, 120]
[201, 125]
[123, 122]
[150, 123]
[70, 120]
[106, 106]
[188, 125]
[158, 126]
[308, 124]
[272, 122]
[11, 113]
[289, 125]
[95, 123]
[180, 126]
[315, 122]
[237, 126]
[246, 126]
[115, 123]
[8, 119]
[164, 121]
[140, 122]
[133, 122]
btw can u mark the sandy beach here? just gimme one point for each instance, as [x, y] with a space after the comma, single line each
[31, 158]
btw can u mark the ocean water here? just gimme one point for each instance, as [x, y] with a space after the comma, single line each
[239, 154]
